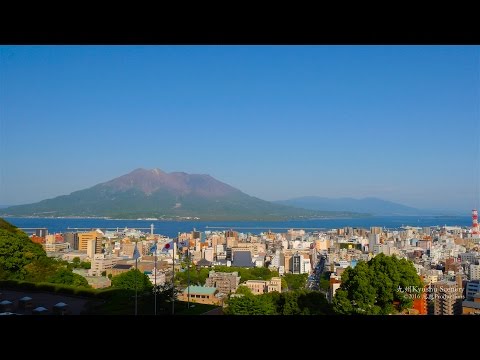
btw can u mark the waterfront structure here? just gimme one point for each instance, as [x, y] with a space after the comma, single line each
[475, 231]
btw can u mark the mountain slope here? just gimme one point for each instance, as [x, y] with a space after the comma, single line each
[154, 193]
[369, 205]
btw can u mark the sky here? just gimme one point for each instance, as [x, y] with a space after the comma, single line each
[401, 123]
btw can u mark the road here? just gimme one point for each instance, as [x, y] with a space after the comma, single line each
[313, 280]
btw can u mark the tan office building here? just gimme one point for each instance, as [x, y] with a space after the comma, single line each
[85, 237]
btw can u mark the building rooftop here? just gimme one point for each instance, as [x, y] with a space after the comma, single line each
[242, 259]
[202, 290]
[256, 281]
[471, 304]
[122, 266]
[203, 262]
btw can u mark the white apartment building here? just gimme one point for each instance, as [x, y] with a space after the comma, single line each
[101, 263]
[474, 272]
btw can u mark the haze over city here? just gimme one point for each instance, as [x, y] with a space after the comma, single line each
[399, 123]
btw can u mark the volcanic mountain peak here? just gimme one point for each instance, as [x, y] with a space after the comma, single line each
[155, 193]
[150, 181]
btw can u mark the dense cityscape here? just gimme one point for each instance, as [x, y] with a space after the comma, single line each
[319, 180]
[214, 267]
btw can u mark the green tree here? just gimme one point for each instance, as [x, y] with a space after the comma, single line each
[85, 265]
[127, 280]
[296, 281]
[67, 277]
[290, 303]
[165, 293]
[5, 225]
[197, 276]
[17, 251]
[244, 290]
[245, 274]
[241, 305]
[324, 282]
[375, 287]
[41, 269]
[76, 262]
[313, 303]
[298, 302]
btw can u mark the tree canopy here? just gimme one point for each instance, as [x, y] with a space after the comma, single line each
[17, 251]
[197, 276]
[22, 259]
[376, 286]
[296, 281]
[64, 276]
[131, 279]
[298, 302]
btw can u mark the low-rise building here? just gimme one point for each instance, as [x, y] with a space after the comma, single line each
[101, 263]
[259, 287]
[472, 307]
[472, 288]
[119, 269]
[226, 283]
[200, 294]
[275, 284]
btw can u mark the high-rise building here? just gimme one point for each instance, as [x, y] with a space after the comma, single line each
[84, 237]
[50, 239]
[41, 232]
[296, 264]
[447, 298]
[72, 239]
[231, 233]
[375, 230]
[373, 239]
[474, 272]
[196, 234]
[231, 241]
[475, 231]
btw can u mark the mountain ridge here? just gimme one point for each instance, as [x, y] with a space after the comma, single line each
[155, 193]
[371, 205]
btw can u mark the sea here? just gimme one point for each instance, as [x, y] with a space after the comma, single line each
[172, 228]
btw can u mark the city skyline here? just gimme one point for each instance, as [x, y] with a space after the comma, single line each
[400, 123]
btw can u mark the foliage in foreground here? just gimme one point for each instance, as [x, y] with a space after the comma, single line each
[22, 259]
[131, 280]
[375, 287]
[295, 281]
[298, 302]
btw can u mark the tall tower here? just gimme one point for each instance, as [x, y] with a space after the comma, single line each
[151, 229]
[475, 231]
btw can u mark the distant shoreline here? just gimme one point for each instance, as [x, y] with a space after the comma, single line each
[186, 219]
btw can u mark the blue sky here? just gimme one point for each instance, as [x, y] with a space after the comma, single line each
[396, 122]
